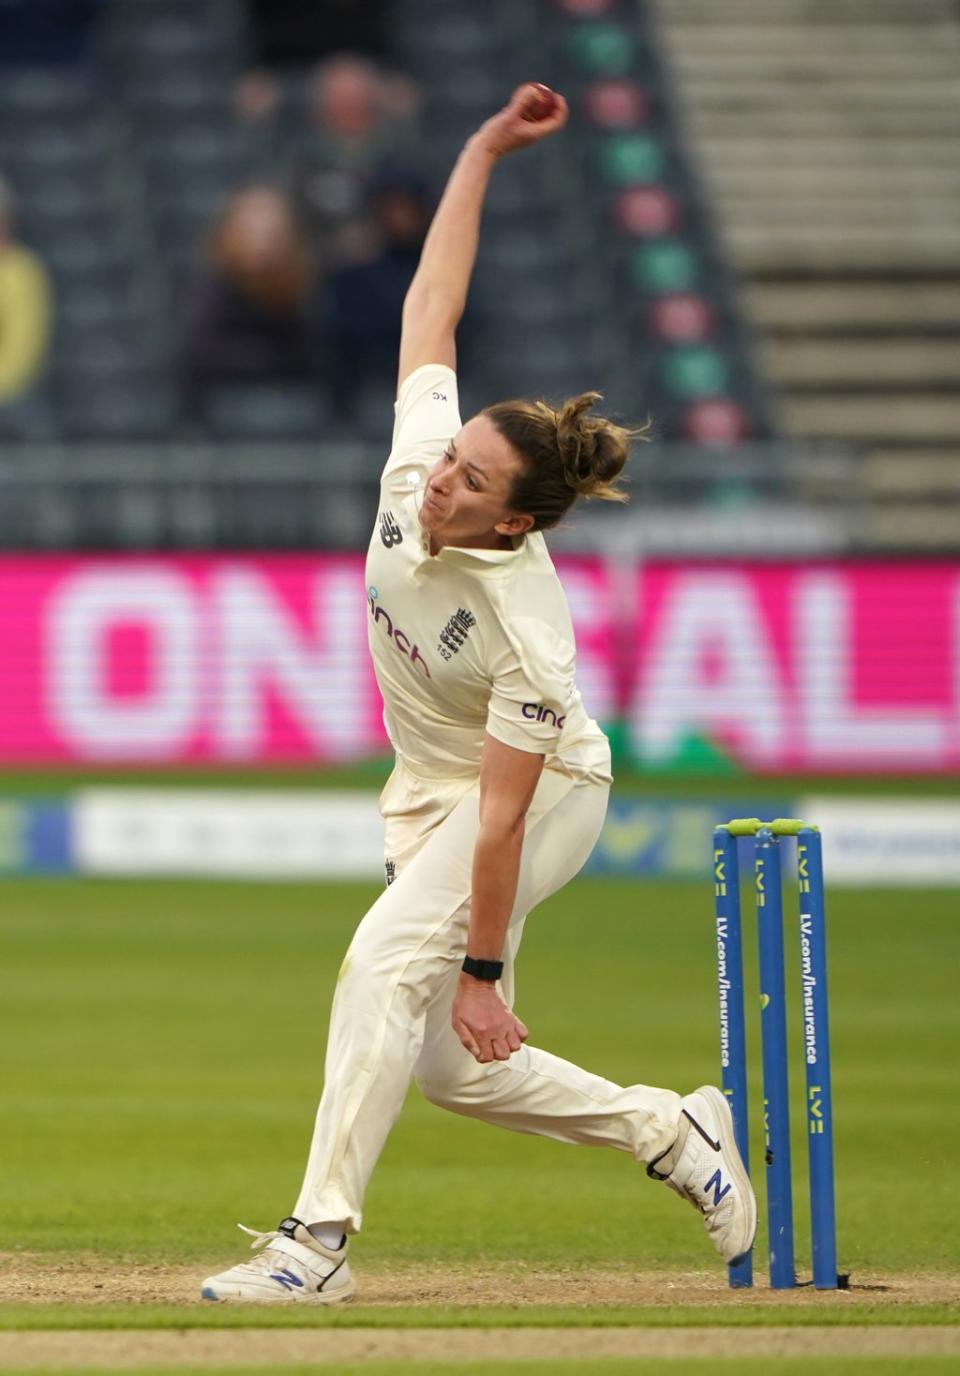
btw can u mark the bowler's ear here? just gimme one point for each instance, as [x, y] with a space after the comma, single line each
[514, 525]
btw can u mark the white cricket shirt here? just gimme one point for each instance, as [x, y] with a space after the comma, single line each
[468, 640]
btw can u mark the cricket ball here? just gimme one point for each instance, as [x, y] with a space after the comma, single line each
[544, 105]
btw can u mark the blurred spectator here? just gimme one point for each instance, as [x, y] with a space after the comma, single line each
[248, 308]
[356, 119]
[294, 33]
[25, 310]
[356, 124]
[40, 32]
[257, 97]
[362, 302]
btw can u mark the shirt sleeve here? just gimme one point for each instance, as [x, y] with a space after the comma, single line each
[427, 416]
[532, 688]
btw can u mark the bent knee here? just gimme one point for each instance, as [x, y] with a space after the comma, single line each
[438, 1089]
[457, 1080]
[451, 1083]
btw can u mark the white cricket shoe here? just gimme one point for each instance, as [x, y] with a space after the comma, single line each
[705, 1167]
[293, 1266]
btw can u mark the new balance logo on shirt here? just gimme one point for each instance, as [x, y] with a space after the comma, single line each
[390, 532]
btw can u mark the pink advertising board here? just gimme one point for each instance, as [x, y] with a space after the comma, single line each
[226, 660]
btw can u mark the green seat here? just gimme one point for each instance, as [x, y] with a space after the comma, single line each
[629, 159]
[606, 48]
[665, 266]
[696, 371]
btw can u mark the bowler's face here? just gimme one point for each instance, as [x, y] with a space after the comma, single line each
[466, 499]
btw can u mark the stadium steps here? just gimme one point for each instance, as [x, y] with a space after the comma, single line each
[829, 14]
[818, 251]
[898, 472]
[873, 364]
[854, 183]
[779, 148]
[818, 48]
[835, 89]
[911, 417]
[826, 130]
[788, 308]
[919, 525]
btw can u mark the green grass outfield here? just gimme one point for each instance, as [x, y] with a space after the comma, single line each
[161, 1051]
[373, 773]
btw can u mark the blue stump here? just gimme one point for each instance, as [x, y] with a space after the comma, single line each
[816, 1053]
[773, 1024]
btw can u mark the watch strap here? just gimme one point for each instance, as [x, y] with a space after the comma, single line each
[483, 969]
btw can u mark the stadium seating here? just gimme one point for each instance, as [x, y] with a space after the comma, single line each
[120, 171]
[828, 135]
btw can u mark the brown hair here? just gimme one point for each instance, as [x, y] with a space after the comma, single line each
[564, 454]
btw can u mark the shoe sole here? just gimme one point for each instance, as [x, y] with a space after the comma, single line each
[734, 1161]
[341, 1296]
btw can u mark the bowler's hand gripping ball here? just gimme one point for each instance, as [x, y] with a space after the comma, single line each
[540, 102]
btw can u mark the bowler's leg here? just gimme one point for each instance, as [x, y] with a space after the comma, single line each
[534, 1091]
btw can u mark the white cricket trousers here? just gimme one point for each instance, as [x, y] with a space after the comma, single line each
[391, 1013]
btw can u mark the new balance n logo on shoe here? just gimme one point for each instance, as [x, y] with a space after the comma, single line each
[287, 1279]
[719, 1189]
[390, 532]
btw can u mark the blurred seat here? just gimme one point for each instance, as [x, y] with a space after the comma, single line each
[91, 303]
[31, 417]
[185, 41]
[453, 37]
[34, 96]
[693, 371]
[191, 146]
[82, 252]
[124, 410]
[372, 413]
[616, 103]
[42, 152]
[179, 96]
[278, 410]
[664, 265]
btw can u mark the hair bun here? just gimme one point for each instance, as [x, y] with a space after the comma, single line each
[593, 450]
[564, 454]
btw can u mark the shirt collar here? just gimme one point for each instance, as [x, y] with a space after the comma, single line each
[472, 560]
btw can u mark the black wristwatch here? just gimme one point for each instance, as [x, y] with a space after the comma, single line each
[482, 969]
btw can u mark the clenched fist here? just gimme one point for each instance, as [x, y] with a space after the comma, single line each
[533, 113]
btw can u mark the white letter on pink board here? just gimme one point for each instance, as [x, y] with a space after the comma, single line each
[716, 615]
[84, 609]
[836, 729]
[319, 674]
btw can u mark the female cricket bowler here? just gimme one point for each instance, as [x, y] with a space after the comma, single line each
[498, 794]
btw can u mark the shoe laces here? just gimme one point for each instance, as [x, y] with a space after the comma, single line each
[259, 1239]
[264, 1261]
[268, 1260]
